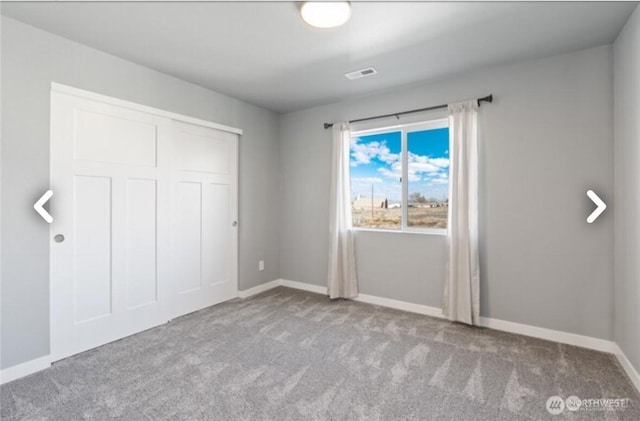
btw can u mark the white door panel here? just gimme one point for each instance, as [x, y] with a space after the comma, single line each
[142, 256]
[200, 153]
[105, 136]
[188, 234]
[91, 237]
[216, 223]
[206, 236]
[146, 205]
[105, 177]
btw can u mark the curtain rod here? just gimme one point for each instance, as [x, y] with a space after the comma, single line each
[488, 98]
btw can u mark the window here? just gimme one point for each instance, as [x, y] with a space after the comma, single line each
[400, 177]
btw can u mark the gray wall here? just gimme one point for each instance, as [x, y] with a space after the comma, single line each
[545, 141]
[627, 190]
[31, 60]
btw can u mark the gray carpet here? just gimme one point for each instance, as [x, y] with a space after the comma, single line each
[291, 355]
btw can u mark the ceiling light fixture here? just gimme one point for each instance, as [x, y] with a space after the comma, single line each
[325, 14]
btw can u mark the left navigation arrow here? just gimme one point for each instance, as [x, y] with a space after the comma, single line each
[38, 206]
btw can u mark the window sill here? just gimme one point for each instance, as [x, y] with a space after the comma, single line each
[425, 231]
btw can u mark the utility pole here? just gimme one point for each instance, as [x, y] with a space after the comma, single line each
[372, 201]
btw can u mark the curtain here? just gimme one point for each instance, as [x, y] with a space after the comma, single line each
[342, 281]
[462, 283]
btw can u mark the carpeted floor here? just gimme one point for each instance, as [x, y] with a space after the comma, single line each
[291, 355]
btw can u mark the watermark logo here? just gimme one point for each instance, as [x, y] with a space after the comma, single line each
[573, 403]
[555, 405]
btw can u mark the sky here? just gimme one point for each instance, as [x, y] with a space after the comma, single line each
[376, 161]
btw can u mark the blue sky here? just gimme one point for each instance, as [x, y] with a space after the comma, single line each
[376, 161]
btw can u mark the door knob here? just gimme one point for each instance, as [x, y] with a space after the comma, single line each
[58, 238]
[234, 223]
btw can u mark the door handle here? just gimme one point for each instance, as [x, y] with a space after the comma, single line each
[58, 238]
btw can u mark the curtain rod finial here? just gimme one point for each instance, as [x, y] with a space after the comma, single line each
[488, 98]
[327, 125]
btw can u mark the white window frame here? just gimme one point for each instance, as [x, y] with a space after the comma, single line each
[404, 129]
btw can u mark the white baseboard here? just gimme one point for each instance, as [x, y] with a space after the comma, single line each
[369, 299]
[628, 367]
[304, 286]
[589, 342]
[260, 288]
[549, 334]
[522, 329]
[21, 370]
[400, 305]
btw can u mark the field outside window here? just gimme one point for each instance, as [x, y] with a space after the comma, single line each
[400, 177]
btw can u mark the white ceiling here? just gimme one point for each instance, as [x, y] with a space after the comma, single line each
[263, 53]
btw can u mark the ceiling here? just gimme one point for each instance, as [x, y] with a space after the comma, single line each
[263, 53]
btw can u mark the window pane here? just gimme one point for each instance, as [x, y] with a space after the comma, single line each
[376, 187]
[428, 181]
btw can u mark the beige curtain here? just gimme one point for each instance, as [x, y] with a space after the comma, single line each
[462, 284]
[342, 281]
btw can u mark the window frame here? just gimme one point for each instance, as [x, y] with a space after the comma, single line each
[405, 129]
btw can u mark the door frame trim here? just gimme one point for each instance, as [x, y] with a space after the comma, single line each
[81, 93]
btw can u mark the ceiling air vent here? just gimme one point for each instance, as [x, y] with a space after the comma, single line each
[361, 73]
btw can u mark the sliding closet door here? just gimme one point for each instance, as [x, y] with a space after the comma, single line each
[204, 217]
[144, 219]
[110, 255]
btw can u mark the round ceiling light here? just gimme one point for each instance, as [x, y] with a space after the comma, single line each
[325, 14]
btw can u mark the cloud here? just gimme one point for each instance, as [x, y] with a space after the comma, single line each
[426, 164]
[364, 153]
[394, 172]
[440, 162]
[420, 167]
[436, 179]
[367, 180]
[443, 175]
[387, 157]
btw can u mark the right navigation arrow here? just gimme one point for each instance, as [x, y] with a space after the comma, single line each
[601, 206]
